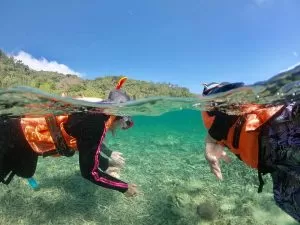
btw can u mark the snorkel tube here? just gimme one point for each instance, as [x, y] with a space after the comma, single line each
[121, 82]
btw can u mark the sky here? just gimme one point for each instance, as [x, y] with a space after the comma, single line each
[183, 42]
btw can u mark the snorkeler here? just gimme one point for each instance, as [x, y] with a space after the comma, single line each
[22, 140]
[110, 161]
[264, 138]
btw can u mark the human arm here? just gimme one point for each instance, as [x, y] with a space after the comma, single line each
[116, 158]
[93, 173]
[89, 130]
[213, 153]
[106, 150]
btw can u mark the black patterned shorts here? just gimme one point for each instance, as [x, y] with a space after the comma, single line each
[280, 153]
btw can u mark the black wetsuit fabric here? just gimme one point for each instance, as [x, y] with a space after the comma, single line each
[16, 155]
[104, 161]
[106, 150]
[221, 125]
[88, 128]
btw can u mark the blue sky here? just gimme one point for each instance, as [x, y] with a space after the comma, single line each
[185, 42]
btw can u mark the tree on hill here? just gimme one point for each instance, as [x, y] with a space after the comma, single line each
[15, 73]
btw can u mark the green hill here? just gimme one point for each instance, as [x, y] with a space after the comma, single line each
[13, 73]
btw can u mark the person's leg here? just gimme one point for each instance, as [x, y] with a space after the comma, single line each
[23, 156]
[4, 144]
[286, 188]
[281, 154]
[17, 157]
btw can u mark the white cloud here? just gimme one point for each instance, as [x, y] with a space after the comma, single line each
[43, 64]
[295, 54]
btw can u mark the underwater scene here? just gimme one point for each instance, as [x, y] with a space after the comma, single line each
[164, 153]
[165, 158]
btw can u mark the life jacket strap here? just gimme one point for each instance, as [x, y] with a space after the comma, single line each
[261, 182]
[59, 141]
[237, 131]
[8, 178]
[50, 153]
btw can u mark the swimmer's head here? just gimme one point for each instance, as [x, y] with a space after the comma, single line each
[117, 96]
[214, 87]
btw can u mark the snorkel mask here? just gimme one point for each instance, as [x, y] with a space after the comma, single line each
[125, 122]
[215, 88]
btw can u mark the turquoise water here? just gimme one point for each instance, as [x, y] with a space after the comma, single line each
[164, 157]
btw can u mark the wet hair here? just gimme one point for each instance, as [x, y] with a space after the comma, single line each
[118, 96]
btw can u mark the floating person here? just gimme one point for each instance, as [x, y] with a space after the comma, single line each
[111, 161]
[22, 140]
[265, 138]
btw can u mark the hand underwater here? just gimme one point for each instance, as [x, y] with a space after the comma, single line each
[213, 153]
[117, 159]
[132, 190]
[113, 171]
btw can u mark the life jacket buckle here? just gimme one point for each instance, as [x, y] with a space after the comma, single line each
[59, 141]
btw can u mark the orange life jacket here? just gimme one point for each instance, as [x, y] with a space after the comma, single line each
[38, 133]
[243, 136]
[48, 137]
